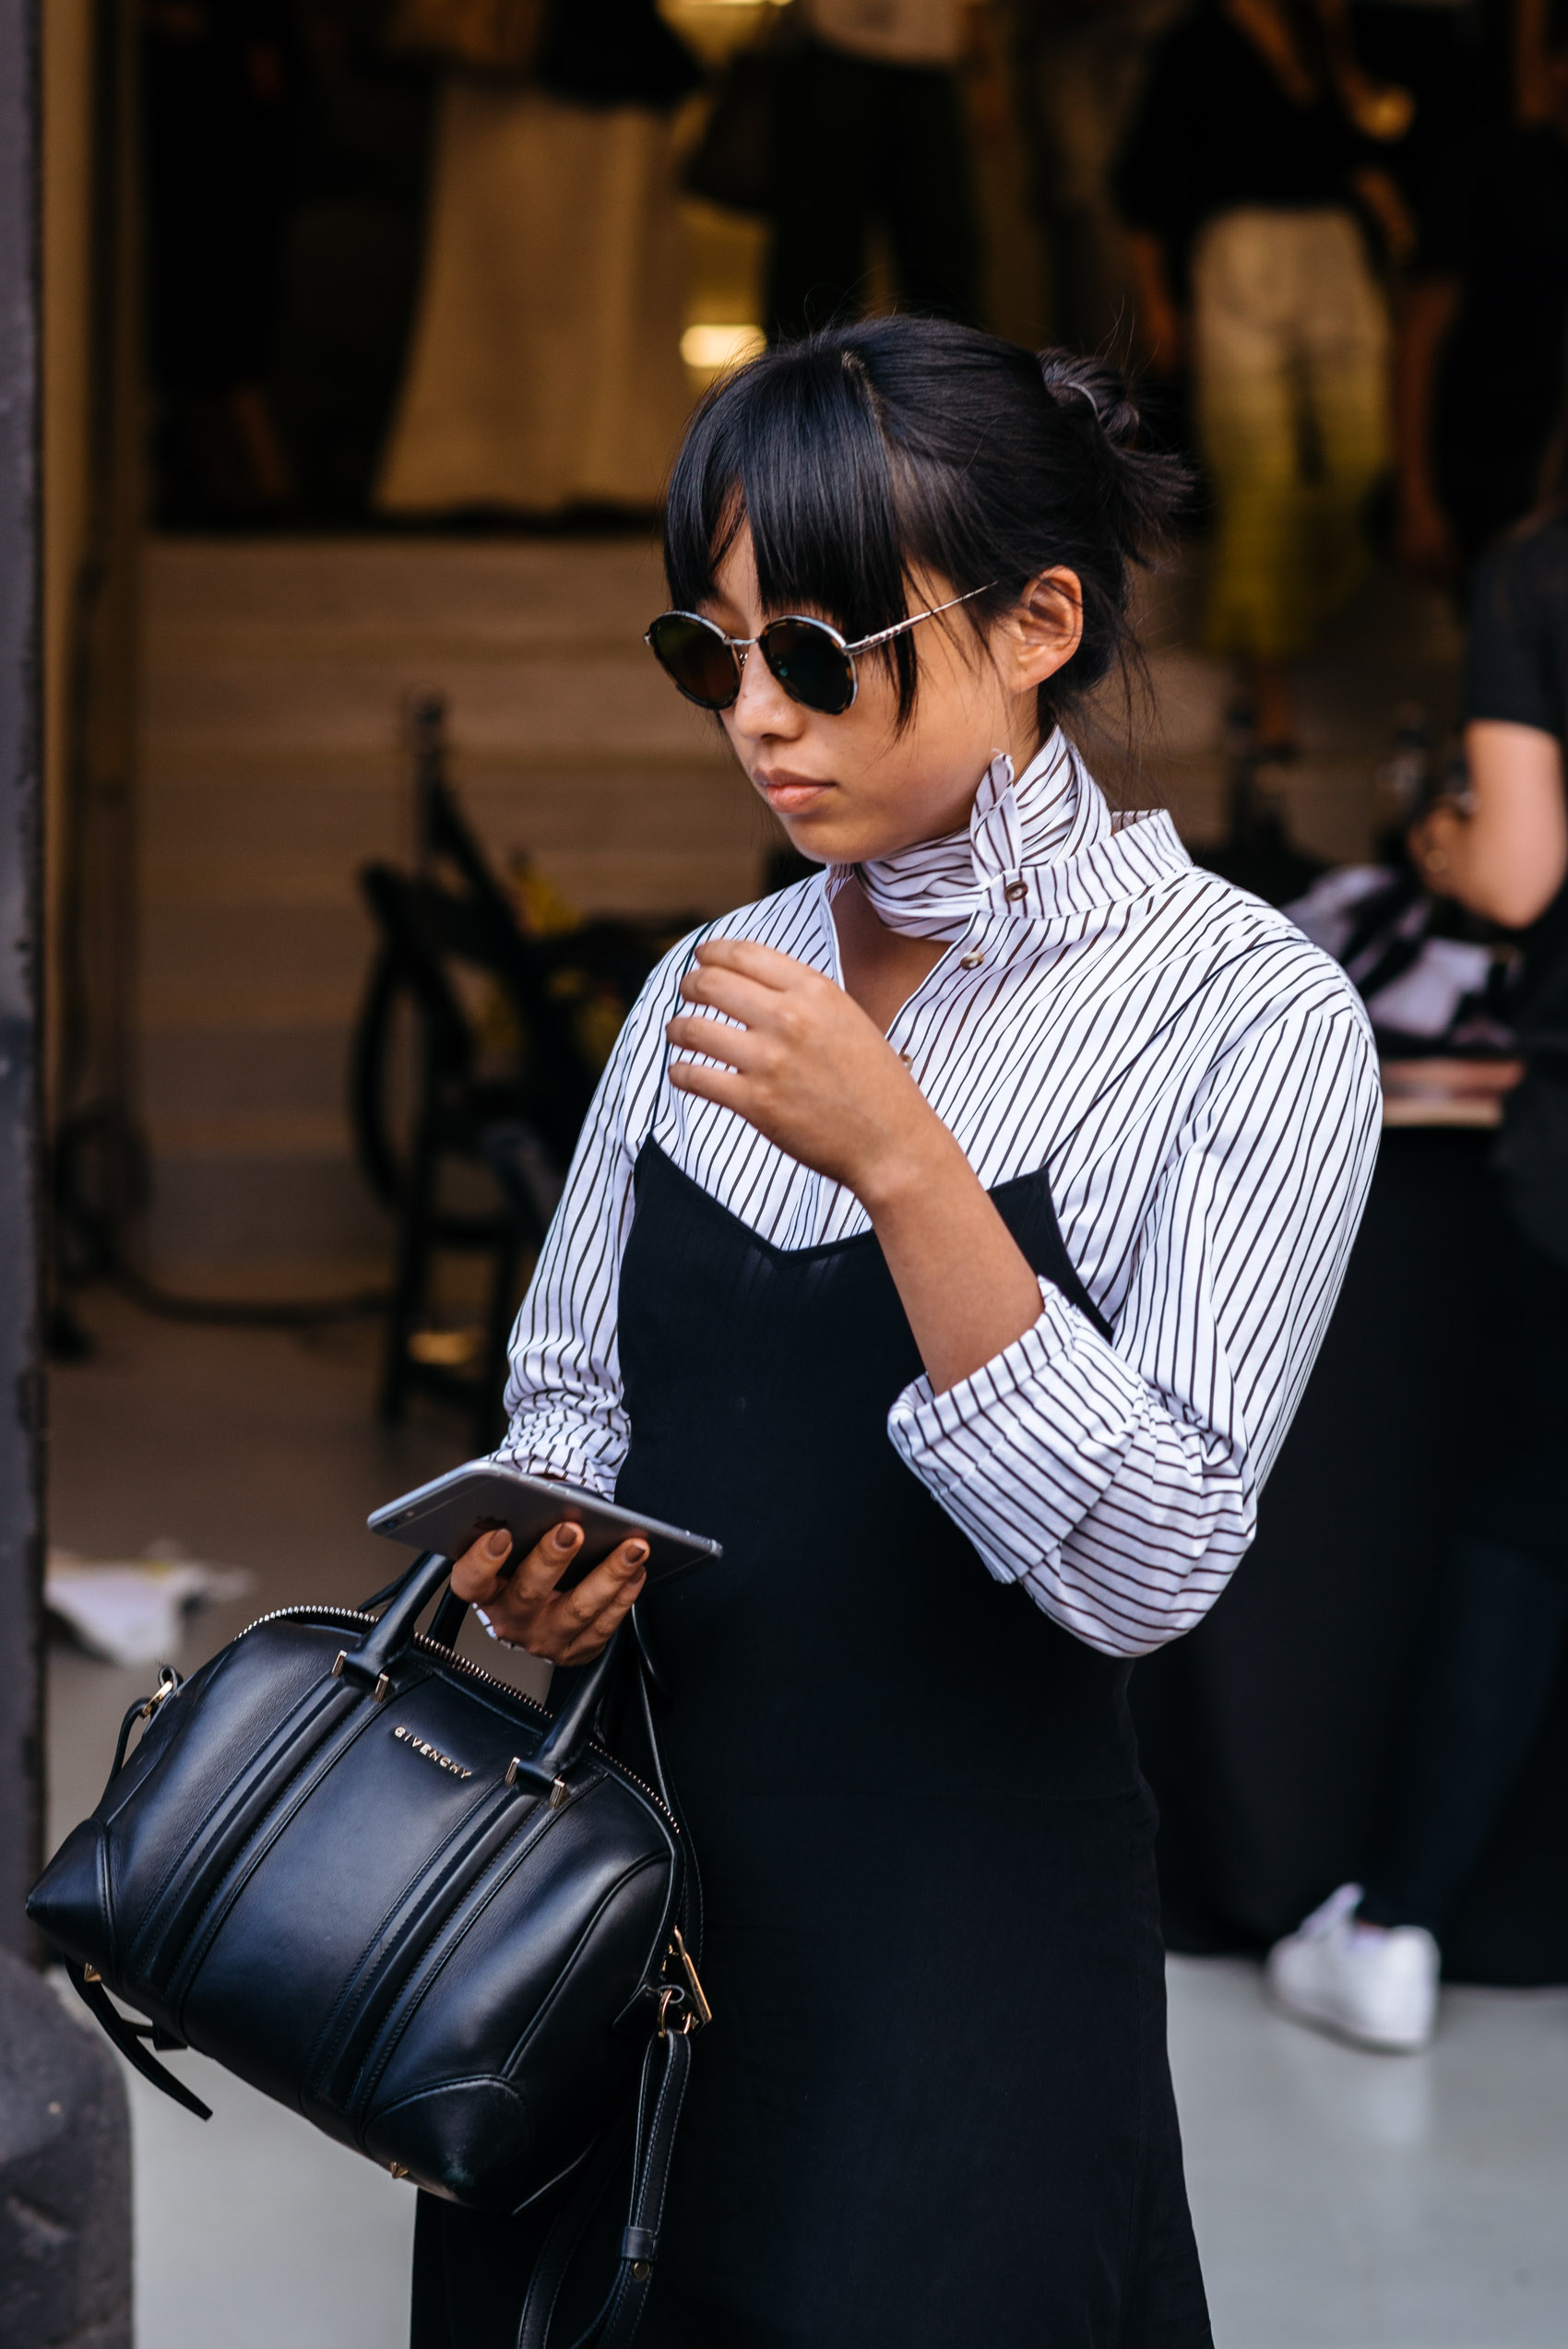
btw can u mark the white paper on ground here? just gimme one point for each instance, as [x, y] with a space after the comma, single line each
[128, 1610]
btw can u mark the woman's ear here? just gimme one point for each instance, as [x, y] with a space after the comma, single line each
[1046, 627]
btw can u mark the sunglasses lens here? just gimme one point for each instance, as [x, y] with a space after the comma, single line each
[697, 657]
[810, 665]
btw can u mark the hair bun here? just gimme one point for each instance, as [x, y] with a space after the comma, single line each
[1143, 489]
[1066, 376]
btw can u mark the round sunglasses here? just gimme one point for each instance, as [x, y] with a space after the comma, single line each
[814, 663]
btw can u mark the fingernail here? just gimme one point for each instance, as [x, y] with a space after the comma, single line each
[567, 1536]
[635, 1552]
[497, 1544]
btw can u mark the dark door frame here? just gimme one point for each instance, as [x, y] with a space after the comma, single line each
[21, 903]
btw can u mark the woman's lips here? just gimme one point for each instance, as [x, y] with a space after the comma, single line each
[790, 793]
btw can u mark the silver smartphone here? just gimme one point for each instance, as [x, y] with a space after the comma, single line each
[450, 1516]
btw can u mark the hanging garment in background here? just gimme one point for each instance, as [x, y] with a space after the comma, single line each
[544, 369]
[491, 36]
[1290, 365]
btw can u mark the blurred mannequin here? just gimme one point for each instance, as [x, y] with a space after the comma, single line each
[216, 82]
[546, 366]
[873, 128]
[1241, 184]
[1082, 65]
[1484, 326]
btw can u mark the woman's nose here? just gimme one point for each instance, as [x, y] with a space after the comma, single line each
[762, 706]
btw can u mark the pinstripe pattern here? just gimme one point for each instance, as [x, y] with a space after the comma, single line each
[1200, 1083]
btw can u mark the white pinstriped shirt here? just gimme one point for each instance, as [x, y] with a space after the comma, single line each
[1200, 1083]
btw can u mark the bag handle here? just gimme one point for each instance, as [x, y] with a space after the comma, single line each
[371, 1664]
[407, 1599]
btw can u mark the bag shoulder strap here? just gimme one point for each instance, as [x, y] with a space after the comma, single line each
[653, 2124]
[127, 2037]
[660, 2094]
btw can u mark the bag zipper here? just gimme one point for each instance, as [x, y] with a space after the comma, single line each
[449, 1656]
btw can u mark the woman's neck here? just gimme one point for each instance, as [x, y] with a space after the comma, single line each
[880, 968]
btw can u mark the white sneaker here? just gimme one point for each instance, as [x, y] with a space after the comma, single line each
[1374, 1984]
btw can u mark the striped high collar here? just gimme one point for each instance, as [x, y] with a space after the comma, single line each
[1035, 848]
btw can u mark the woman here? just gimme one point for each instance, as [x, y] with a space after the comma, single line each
[950, 1238]
[1367, 1961]
[1238, 186]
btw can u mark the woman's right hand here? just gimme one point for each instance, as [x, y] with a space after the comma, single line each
[525, 1607]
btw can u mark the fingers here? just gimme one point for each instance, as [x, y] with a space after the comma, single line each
[765, 965]
[612, 1586]
[735, 1048]
[590, 1614]
[726, 1086]
[735, 993]
[567, 1627]
[545, 1563]
[482, 1569]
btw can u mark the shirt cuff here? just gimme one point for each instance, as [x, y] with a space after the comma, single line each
[920, 1419]
[591, 1476]
[958, 1443]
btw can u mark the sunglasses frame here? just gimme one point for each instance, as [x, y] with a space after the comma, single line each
[739, 646]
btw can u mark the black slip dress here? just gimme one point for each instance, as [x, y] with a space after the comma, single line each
[935, 2107]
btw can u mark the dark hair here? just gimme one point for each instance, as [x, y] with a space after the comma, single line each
[862, 455]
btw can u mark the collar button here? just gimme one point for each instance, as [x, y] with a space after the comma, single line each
[972, 960]
[1015, 891]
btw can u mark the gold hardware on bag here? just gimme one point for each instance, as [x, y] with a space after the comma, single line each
[167, 1684]
[382, 1685]
[641, 2270]
[559, 1789]
[694, 1998]
[703, 2012]
[91, 1974]
[398, 2169]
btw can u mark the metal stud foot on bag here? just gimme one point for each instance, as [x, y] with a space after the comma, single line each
[384, 1680]
[559, 1789]
[398, 2169]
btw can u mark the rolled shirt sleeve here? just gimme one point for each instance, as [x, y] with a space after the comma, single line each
[566, 1413]
[1117, 1479]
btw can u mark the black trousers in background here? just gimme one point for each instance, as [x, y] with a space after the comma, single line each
[1500, 1623]
[861, 141]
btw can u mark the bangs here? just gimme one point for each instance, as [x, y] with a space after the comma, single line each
[874, 462]
[792, 447]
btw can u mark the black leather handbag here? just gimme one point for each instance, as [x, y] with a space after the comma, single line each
[448, 1926]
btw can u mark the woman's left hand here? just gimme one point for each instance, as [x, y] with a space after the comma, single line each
[804, 1065]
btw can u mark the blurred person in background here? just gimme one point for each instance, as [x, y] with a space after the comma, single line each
[1484, 322]
[1081, 69]
[1366, 1964]
[874, 129]
[1243, 183]
[216, 80]
[545, 369]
